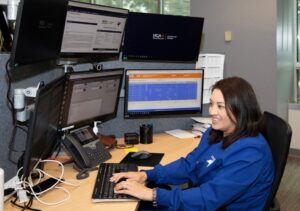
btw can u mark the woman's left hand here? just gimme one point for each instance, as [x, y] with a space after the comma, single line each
[135, 189]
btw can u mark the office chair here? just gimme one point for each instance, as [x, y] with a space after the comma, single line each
[278, 134]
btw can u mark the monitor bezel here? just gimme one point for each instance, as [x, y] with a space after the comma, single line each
[162, 114]
[89, 57]
[108, 73]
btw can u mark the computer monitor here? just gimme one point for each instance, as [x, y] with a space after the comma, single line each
[91, 96]
[92, 33]
[43, 127]
[163, 93]
[38, 32]
[157, 37]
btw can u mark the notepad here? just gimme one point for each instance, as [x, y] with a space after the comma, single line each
[178, 133]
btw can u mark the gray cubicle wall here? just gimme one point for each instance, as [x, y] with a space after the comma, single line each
[118, 126]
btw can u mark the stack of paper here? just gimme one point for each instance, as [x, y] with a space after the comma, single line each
[213, 65]
[201, 125]
[178, 133]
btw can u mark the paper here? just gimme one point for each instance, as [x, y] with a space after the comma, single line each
[213, 65]
[205, 120]
[178, 133]
[133, 149]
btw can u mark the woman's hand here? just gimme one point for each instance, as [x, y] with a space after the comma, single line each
[134, 188]
[139, 177]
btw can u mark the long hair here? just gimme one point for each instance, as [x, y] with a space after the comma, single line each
[241, 102]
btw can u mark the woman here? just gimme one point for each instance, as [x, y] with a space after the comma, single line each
[231, 168]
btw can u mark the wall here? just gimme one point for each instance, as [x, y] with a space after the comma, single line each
[31, 75]
[252, 53]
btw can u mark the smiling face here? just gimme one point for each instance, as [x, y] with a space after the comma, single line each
[219, 115]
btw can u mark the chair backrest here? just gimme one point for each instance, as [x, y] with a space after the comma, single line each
[278, 134]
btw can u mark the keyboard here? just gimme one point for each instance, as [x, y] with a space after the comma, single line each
[104, 189]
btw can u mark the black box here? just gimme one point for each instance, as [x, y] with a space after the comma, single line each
[131, 138]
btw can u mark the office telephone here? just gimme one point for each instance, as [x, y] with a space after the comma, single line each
[85, 148]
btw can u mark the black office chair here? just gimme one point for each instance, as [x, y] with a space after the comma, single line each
[278, 133]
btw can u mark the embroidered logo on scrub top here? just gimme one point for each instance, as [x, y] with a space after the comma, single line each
[209, 162]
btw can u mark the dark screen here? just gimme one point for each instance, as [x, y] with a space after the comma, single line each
[43, 125]
[162, 37]
[39, 30]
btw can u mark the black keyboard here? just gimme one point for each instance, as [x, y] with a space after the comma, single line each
[104, 189]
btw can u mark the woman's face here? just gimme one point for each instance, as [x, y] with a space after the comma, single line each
[220, 118]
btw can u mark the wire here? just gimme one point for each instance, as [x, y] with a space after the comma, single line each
[10, 103]
[26, 206]
[25, 185]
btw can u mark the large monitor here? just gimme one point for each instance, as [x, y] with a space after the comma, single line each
[157, 37]
[158, 93]
[91, 96]
[43, 125]
[38, 32]
[92, 33]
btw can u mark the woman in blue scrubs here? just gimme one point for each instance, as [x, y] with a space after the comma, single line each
[232, 167]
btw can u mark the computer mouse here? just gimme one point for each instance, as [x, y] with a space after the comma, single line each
[141, 155]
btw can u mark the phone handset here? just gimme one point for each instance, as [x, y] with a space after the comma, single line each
[85, 148]
[77, 151]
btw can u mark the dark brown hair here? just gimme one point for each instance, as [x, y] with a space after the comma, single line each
[241, 102]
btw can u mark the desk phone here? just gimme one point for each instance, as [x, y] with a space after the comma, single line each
[85, 148]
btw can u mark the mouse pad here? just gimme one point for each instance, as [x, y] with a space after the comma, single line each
[151, 161]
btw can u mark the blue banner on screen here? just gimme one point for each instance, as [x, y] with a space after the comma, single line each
[152, 93]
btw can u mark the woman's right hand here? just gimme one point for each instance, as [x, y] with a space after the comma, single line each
[139, 176]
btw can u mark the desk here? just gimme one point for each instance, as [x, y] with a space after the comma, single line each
[81, 196]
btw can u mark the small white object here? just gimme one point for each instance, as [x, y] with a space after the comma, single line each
[12, 183]
[12, 9]
[204, 120]
[22, 196]
[22, 110]
[178, 133]
[22, 116]
[19, 99]
[1, 189]
[31, 91]
[228, 36]
[95, 128]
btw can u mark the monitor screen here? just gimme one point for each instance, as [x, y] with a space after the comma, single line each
[38, 32]
[92, 32]
[91, 96]
[153, 93]
[43, 125]
[159, 37]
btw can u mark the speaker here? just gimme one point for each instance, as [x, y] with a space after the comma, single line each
[146, 134]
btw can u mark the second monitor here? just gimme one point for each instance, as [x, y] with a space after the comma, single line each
[156, 93]
[91, 96]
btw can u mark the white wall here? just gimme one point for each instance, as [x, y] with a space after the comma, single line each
[252, 53]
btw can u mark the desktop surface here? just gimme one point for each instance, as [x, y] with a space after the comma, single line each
[172, 147]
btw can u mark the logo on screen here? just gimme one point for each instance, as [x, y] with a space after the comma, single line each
[159, 36]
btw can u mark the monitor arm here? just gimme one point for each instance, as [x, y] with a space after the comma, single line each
[20, 104]
[12, 8]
